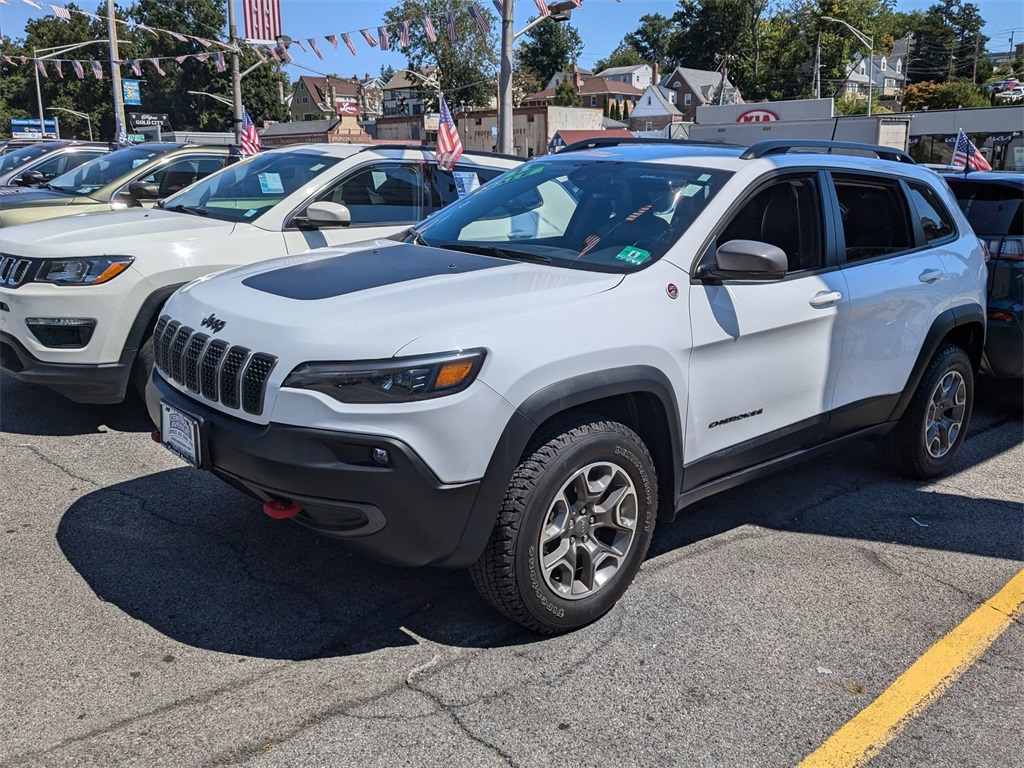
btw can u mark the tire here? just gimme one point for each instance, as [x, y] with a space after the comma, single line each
[929, 434]
[142, 367]
[592, 557]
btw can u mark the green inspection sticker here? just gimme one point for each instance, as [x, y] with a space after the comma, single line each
[634, 256]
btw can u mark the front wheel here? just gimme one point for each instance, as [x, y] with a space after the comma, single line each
[934, 426]
[574, 527]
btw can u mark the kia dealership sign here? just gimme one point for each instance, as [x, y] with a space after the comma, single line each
[757, 116]
[766, 112]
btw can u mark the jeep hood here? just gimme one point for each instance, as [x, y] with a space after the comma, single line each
[17, 197]
[362, 303]
[108, 232]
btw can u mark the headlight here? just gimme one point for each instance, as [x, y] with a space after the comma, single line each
[91, 270]
[398, 380]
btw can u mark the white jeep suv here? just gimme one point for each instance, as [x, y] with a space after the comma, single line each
[526, 382]
[79, 295]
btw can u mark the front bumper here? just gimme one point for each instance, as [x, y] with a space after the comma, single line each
[83, 383]
[398, 513]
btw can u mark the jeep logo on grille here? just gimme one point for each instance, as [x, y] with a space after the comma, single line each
[213, 323]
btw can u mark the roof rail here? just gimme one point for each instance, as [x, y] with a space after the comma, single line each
[612, 141]
[783, 146]
[433, 148]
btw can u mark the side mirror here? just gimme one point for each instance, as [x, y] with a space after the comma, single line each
[30, 179]
[747, 260]
[143, 190]
[325, 214]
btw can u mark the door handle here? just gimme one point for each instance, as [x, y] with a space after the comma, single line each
[929, 275]
[826, 299]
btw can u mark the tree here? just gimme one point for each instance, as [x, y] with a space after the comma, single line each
[467, 65]
[566, 95]
[949, 95]
[613, 111]
[523, 84]
[654, 40]
[548, 48]
[625, 110]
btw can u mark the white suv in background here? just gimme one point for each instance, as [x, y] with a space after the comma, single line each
[79, 295]
[525, 382]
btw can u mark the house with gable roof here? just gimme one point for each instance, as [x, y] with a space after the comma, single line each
[697, 88]
[639, 75]
[655, 109]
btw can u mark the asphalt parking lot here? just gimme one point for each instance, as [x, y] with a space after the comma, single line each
[153, 616]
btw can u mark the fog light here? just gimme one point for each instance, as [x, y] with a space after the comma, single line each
[62, 332]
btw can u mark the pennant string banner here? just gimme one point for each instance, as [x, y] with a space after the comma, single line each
[383, 39]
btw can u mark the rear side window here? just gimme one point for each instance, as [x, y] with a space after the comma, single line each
[447, 186]
[932, 214]
[992, 209]
[875, 218]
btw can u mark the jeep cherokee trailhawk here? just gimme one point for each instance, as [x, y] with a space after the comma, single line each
[527, 381]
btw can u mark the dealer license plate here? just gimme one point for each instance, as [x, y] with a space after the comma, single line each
[180, 433]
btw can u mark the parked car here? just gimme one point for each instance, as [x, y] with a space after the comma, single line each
[129, 177]
[993, 202]
[1011, 95]
[36, 164]
[9, 145]
[526, 381]
[74, 327]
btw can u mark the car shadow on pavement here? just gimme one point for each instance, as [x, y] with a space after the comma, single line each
[30, 409]
[201, 563]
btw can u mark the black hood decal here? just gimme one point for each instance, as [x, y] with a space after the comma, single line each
[363, 270]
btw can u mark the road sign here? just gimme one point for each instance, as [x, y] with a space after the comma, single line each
[28, 128]
[137, 120]
[132, 92]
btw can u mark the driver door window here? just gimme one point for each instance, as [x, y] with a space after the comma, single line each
[181, 173]
[381, 195]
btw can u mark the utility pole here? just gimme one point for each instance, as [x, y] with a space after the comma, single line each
[236, 75]
[817, 68]
[505, 78]
[39, 97]
[120, 130]
[977, 47]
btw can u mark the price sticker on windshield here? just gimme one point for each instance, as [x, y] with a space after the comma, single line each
[270, 183]
[634, 256]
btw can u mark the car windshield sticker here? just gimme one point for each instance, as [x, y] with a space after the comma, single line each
[690, 190]
[251, 212]
[704, 177]
[137, 163]
[465, 182]
[379, 177]
[521, 172]
[271, 184]
[318, 167]
[634, 256]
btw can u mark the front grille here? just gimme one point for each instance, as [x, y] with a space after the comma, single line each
[13, 270]
[232, 376]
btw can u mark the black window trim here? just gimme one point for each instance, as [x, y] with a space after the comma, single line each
[826, 220]
[170, 158]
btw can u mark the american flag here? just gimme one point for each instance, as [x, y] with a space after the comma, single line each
[966, 155]
[41, 67]
[370, 41]
[403, 34]
[97, 70]
[348, 42]
[315, 47]
[249, 138]
[385, 41]
[157, 67]
[77, 66]
[58, 68]
[332, 39]
[263, 20]
[449, 145]
[542, 7]
[61, 13]
[478, 16]
[499, 6]
[428, 28]
[449, 23]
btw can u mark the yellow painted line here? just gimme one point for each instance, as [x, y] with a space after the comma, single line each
[922, 684]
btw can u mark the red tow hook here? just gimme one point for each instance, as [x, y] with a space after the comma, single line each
[281, 509]
[157, 437]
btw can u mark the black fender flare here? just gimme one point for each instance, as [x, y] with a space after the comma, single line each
[942, 326]
[552, 400]
[144, 319]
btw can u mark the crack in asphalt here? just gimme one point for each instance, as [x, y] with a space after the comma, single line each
[449, 709]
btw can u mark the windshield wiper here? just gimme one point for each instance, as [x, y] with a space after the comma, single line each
[494, 250]
[179, 208]
[417, 238]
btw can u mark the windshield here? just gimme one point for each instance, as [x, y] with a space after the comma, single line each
[586, 214]
[992, 209]
[103, 170]
[12, 160]
[247, 190]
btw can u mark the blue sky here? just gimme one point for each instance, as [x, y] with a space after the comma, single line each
[601, 24]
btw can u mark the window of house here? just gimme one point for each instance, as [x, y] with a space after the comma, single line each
[899, 65]
[675, 85]
[934, 218]
[593, 101]
[889, 83]
[686, 99]
[875, 216]
[305, 99]
[672, 97]
[883, 64]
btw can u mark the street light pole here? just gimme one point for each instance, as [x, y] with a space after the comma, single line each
[236, 75]
[869, 41]
[120, 130]
[39, 97]
[505, 78]
[73, 112]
